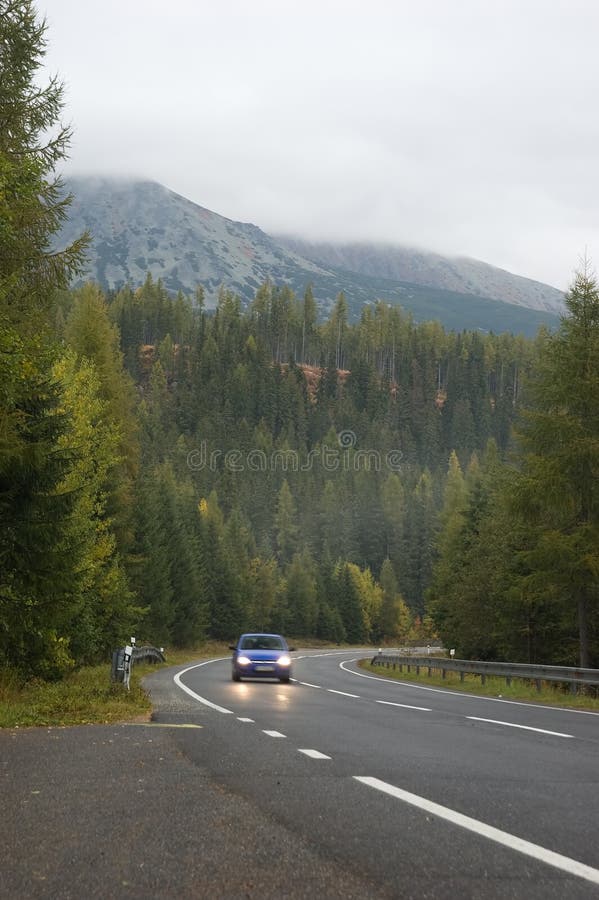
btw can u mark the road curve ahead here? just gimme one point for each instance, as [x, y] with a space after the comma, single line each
[415, 791]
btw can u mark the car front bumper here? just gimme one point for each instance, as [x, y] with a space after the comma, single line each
[262, 670]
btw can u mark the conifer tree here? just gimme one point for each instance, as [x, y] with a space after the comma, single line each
[151, 571]
[263, 587]
[455, 497]
[187, 573]
[394, 510]
[36, 559]
[302, 595]
[559, 487]
[419, 543]
[32, 142]
[225, 603]
[349, 605]
[103, 609]
[309, 317]
[395, 619]
[285, 521]
[91, 334]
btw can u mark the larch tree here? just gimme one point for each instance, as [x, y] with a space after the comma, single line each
[395, 619]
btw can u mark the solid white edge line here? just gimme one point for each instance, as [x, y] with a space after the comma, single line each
[404, 705]
[276, 734]
[179, 683]
[423, 687]
[525, 727]
[572, 866]
[343, 693]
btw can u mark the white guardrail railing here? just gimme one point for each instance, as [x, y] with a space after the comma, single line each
[564, 674]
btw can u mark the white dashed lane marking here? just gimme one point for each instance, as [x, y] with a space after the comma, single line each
[403, 705]
[276, 734]
[244, 719]
[343, 693]
[314, 754]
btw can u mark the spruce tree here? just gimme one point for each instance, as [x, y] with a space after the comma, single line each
[285, 521]
[36, 561]
[559, 487]
[32, 142]
[302, 595]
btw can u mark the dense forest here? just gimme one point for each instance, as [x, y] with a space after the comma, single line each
[181, 473]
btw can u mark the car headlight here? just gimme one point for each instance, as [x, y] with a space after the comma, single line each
[243, 661]
[284, 660]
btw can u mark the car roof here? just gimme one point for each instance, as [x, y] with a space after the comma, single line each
[260, 634]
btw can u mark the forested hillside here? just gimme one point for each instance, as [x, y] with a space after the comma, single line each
[347, 482]
[182, 474]
[138, 227]
[315, 474]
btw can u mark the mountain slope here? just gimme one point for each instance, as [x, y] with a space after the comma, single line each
[140, 226]
[460, 274]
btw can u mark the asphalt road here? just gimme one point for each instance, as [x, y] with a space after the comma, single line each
[335, 785]
[419, 792]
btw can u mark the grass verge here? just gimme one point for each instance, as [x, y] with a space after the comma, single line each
[86, 696]
[549, 694]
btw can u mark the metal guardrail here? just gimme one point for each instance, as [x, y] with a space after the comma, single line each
[564, 674]
[151, 654]
[416, 650]
[124, 657]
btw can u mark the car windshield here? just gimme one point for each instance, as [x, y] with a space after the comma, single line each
[261, 642]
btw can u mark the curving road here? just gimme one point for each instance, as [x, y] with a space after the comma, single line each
[412, 791]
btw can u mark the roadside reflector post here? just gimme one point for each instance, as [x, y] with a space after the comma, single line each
[127, 666]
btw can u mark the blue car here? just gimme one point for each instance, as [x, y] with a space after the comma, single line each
[261, 656]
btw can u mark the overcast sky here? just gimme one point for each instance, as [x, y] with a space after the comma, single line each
[468, 127]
